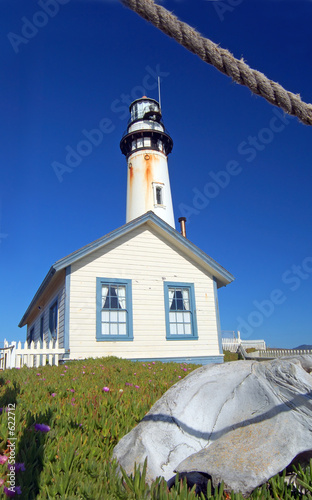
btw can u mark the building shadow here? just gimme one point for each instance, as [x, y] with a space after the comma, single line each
[31, 449]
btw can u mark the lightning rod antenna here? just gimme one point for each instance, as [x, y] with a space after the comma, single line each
[159, 98]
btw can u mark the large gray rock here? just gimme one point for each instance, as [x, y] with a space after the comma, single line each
[240, 422]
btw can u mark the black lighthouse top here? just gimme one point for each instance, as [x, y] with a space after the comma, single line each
[145, 128]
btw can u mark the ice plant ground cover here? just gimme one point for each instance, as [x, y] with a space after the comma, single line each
[68, 420]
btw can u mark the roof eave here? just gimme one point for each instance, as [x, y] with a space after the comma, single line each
[223, 277]
[41, 288]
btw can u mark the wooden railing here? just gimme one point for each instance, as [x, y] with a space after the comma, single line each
[36, 354]
[277, 353]
[232, 344]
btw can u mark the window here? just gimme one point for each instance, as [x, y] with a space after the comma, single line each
[41, 328]
[31, 336]
[114, 309]
[180, 311]
[140, 142]
[159, 200]
[53, 321]
[158, 189]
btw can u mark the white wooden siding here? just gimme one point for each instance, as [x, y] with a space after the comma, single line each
[55, 292]
[148, 260]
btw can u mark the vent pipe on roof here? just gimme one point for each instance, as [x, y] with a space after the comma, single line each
[182, 221]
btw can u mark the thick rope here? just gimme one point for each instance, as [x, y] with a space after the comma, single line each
[221, 59]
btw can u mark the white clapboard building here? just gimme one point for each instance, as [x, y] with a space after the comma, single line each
[143, 291]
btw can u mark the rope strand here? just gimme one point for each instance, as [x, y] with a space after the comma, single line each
[222, 59]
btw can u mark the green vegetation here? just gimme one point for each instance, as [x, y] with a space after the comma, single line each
[230, 356]
[68, 420]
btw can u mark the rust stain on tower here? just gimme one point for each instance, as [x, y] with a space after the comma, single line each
[146, 144]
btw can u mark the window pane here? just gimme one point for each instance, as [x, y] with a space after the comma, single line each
[187, 329]
[186, 298]
[172, 317]
[122, 297]
[147, 141]
[114, 329]
[173, 329]
[159, 200]
[140, 142]
[179, 299]
[180, 329]
[187, 317]
[122, 316]
[105, 316]
[113, 316]
[122, 329]
[173, 306]
[105, 328]
[180, 317]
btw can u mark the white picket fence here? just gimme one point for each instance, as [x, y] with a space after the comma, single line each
[36, 354]
[277, 353]
[232, 343]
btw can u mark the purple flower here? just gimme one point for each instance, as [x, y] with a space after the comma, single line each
[105, 389]
[62, 374]
[18, 467]
[72, 390]
[38, 374]
[53, 394]
[1, 410]
[10, 492]
[153, 363]
[42, 427]
[66, 367]
[137, 386]
[3, 459]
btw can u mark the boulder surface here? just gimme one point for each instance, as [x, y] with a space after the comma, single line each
[239, 422]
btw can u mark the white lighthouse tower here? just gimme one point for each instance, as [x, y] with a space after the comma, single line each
[146, 146]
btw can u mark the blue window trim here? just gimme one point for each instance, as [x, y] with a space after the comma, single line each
[108, 338]
[41, 330]
[190, 286]
[53, 303]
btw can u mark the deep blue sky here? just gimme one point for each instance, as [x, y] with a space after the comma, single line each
[78, 68]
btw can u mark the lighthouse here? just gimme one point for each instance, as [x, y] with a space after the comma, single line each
[146, 145]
